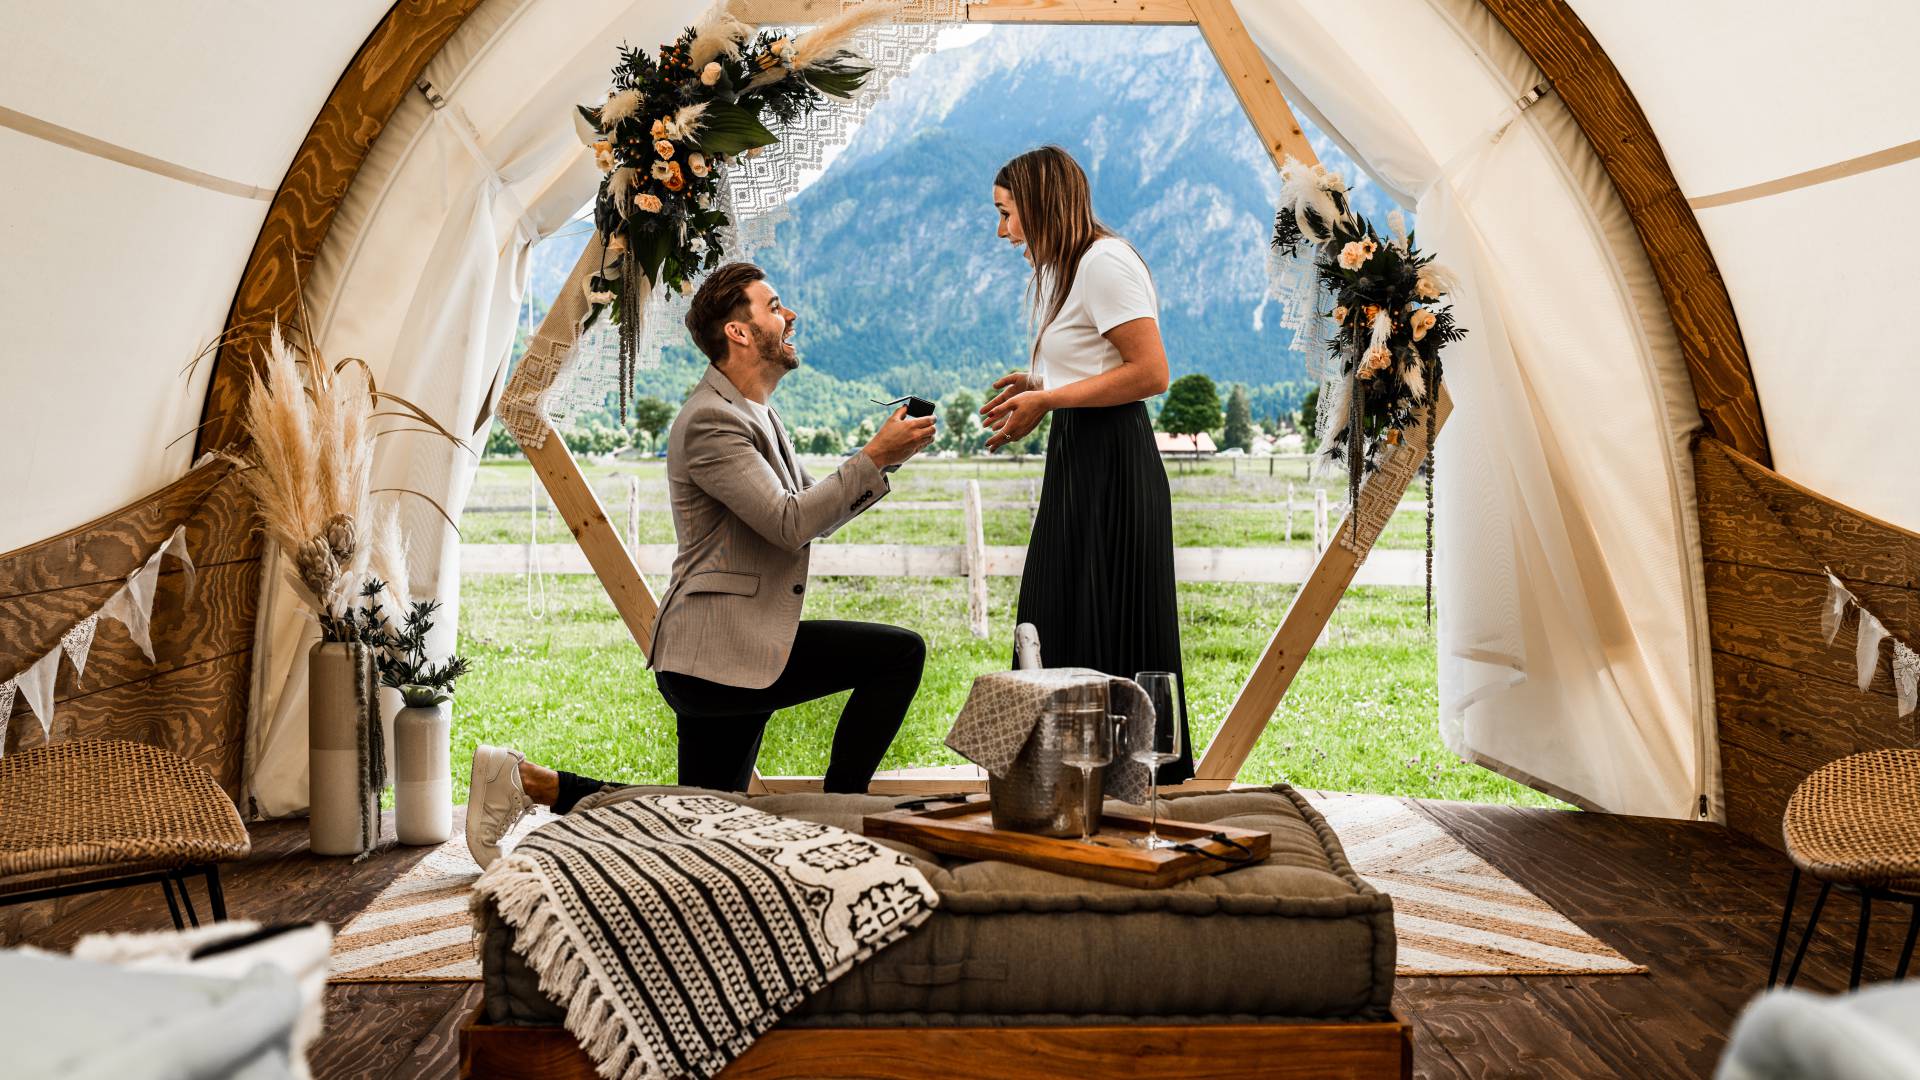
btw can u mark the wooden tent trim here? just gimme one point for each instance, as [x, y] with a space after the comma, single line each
[374, 84]
[1697, 301]
[413, 32]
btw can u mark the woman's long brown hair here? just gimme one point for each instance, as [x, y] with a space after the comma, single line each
[1056, 214]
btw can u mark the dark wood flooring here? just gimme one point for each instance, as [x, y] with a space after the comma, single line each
[1695, 903]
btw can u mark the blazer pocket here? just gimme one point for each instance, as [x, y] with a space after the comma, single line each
[722, 581]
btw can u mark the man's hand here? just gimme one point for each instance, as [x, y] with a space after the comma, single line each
[1014, 382]
[900, 438]
[1015, 418]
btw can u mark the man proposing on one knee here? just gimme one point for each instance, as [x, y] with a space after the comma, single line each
[729, 646]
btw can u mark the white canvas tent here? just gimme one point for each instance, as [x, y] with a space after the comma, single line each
[141, 148]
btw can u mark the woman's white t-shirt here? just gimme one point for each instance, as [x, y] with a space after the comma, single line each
[1112, 287]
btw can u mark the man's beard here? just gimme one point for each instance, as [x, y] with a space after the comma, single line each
[772, 349]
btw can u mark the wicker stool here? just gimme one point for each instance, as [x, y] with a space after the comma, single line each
[1855, 823]
[96, 814]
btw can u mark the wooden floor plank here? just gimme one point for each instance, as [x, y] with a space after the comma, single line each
[1696, 903]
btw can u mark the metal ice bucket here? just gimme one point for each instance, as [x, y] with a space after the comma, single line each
[1041, 795]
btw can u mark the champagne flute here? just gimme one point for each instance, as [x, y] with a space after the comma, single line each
[1086, 740]
[1160, 746]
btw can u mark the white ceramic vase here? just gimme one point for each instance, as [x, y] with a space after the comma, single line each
[343, 808]
[423, 775]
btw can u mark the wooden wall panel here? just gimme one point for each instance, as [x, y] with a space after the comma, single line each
[1787, 701]
[1604, 107]
[192, 697]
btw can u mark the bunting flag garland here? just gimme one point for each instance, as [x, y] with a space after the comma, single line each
[1906, 675]
[78, 642]
[1869, 631]
[131, 605]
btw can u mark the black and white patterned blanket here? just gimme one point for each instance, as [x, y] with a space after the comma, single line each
[676, 929]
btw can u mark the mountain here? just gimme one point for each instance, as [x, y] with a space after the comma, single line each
[890, 255]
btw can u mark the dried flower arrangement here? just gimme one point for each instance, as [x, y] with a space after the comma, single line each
[1389, 327]
[307, 462]
[671, 124]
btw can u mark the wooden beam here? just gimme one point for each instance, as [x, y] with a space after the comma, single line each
[379, 77]
[580, 508]
[1117, 12]
[1320, 1049]
[1308, 614]
[1605, 108]
[1246, 70]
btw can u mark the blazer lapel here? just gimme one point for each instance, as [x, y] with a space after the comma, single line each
[779, 455]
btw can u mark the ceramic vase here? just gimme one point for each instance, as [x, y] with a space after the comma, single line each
[344, 767]
[423, 775]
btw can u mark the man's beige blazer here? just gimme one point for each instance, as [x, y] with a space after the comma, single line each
[744, 513]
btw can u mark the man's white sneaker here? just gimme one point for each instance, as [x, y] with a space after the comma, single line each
[495, 800]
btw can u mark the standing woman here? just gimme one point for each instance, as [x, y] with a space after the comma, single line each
[1098, 584]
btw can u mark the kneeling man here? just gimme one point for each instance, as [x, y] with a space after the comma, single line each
[729, 646]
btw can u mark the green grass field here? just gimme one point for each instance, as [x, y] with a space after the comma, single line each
[556, 675]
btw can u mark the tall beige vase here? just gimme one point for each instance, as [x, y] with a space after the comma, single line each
[346, 765]
[423, 775]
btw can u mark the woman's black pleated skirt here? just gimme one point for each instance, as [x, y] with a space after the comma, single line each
[1098, 584]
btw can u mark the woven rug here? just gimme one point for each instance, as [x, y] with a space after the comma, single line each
[1454, 913]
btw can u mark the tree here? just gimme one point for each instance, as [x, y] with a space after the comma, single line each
[1193, 406]
[824, 441]
[652, 416]
[1037, 442]
[500, 441]
[962, 420]
[1239, 420]
[1309, 419]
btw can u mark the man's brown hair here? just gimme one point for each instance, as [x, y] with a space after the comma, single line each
[721, 299]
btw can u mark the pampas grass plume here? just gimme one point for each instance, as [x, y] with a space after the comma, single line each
[718, 33]
[835, 36]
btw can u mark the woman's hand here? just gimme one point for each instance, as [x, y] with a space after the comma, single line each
[1014, 382]
[1015, 417]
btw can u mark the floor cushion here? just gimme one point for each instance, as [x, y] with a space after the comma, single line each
[1297, 936]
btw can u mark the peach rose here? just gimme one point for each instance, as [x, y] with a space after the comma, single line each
[603, 156]
[710, 74]
[647, 202]
[1425, 289]
[675, 180]
[1354, 255]
[659, 129]
[1421, 322]
[663, 148]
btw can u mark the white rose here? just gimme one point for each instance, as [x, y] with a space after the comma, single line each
[697, 162]
[662, 170]
[697, 246]
[1425, 289]
[710, 74]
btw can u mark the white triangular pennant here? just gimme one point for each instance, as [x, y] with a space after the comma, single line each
[1906, 676]
[1835, 611]
[1866, 646]
[78, 642]
[36, 686]
[132, 606]
[7, 690]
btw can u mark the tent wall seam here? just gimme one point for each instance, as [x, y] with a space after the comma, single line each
[48, 131]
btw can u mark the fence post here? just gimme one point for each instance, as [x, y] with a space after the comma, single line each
[976, 561]
[1319, 520]
[1289, 511]
[633, 516]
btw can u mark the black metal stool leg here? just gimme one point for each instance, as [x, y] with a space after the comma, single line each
[1813, 920]
[173, 909]
[1906, 954]
[1860, 942]
[216, 897]
[186, 898]
[1786, 922]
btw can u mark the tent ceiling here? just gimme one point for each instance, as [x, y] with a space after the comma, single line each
[116, 273]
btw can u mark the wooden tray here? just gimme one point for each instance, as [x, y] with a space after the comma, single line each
[965, 828]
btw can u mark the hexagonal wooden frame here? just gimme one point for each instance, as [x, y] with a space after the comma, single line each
[1312, 606]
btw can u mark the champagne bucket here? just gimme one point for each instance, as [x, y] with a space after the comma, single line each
[1041, 795]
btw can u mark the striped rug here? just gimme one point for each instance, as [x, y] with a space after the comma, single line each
[1455, 914]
